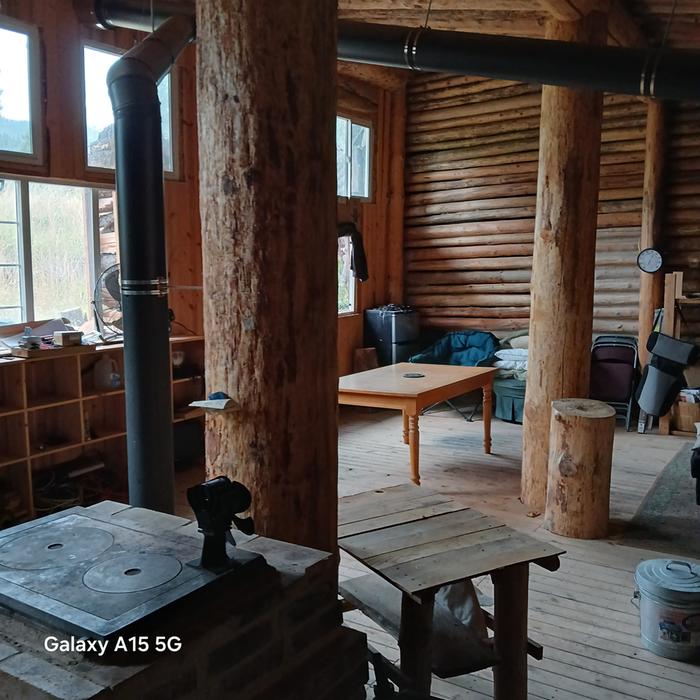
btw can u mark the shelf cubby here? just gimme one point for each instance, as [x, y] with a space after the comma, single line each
[56, 428]
[13, 440]
[192, 354]
[12, 396]
[104, 417]
[15, 494]
[184, 392]
[87, 371]
[52, 381]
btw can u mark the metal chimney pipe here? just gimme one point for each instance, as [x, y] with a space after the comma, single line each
[132, 83]
[671, 74]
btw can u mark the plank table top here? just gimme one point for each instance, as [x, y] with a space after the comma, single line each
[392, 380]
[420, 540]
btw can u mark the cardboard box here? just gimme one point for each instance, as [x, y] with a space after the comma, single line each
[66, 338]
[684, 415]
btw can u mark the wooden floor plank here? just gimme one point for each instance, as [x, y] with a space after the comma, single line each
[581, 613]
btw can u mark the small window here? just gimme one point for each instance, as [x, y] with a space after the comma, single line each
[19, 93]
[12, 306]
[352, 158]
[99, 119]
[346, 277]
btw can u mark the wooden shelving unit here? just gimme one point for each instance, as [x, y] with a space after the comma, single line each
[51, 413]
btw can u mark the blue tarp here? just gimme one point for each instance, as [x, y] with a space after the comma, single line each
[464, 348]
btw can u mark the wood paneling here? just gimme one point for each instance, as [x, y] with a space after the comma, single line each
[379, 219]
[61, 40]
[471, 179]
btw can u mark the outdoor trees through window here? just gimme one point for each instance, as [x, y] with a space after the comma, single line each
[17, 92]
[99, 121]
[54, 242]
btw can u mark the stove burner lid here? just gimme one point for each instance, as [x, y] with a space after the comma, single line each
[48, 549]
[132, 572]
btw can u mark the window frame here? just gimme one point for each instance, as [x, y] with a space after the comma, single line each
[36, 113]
[91, 204]
[368, 123]
[355, 287]
[173, 174]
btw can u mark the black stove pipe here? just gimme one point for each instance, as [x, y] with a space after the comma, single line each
[132, 83]
[671, 74]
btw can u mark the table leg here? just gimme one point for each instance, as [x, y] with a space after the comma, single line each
[413, 443]
[416, 640]
[487, 417]
[510, 632]
[405, 427]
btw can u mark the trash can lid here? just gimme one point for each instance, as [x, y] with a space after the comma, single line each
[672, 578]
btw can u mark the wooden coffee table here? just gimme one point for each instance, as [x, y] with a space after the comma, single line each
[393, 387]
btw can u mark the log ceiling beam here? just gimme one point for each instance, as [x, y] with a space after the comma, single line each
[386, 78]
[622, 29]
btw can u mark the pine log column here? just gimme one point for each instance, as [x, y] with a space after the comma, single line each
[563, 267]
[651, 284]
[266, 117]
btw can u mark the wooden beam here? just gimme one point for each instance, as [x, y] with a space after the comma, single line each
[651, 284]
[380, 76]
[266, 109]
[563, 267]
[622, 29]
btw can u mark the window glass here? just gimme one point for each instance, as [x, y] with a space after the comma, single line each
[346, 278]
[99, 121]
[342, 155]
[359, 186]
[59, 221]
[15, 103]
[352, 150]
[11, 310]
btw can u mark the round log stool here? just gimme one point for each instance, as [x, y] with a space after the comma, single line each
[580, 459]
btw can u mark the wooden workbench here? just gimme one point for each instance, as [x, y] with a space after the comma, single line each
[419, 541]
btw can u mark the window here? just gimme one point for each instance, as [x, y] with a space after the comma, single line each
[352, 143]
[99, 120]
[19, 92]
[346, 277]
[54, 242]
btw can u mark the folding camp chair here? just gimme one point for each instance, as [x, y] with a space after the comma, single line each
[614, 372]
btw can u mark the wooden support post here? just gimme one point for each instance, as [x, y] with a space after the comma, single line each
[563, 267]
[510, 632]
[580, 462]
[416, 640]
[395, 222]
[266, 114]
[651, 284]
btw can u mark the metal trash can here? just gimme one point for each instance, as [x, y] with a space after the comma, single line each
[668, 591]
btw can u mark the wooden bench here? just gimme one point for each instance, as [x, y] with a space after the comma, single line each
[420, 541]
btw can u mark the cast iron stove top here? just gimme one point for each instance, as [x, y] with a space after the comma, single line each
[87, 575]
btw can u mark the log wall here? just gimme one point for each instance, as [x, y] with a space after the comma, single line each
[682, 211]
[471, 178]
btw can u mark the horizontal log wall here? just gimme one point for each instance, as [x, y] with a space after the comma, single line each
[471, 181]
[682, 213]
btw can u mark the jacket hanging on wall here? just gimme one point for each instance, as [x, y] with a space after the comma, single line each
[358, 264]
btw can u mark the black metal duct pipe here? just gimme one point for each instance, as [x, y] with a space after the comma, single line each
[132, 83]
[671, 74]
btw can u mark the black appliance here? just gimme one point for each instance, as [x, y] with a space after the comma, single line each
[393, 330]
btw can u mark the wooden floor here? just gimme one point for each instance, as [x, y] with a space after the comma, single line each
[582, 613]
